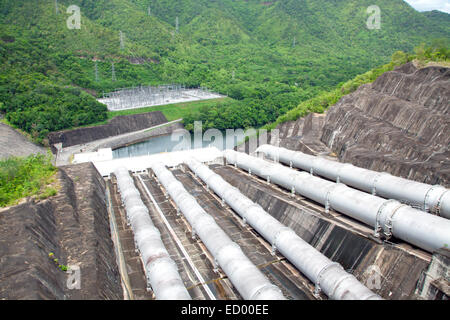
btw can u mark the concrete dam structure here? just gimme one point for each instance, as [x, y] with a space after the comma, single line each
[334, 214]
[213, 226]
[398, 124]
[300, 246]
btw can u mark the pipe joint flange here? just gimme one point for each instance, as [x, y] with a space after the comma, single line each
[327, 197]
[338, 283]
[313, 166]
[428, 207]
[275, 238]
[265, 287]
[378, 228]
[194, 235]
[374, 183]
[317, 288]
[388, 225]
[273, 252]
[437, 209]
[338, 173]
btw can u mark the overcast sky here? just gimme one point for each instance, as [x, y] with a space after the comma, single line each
[428, 5]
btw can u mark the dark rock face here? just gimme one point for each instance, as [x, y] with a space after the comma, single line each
[27, 235]
[435, 281]
[74, 225]
[118, 125]
[399, 124]
[304, 135]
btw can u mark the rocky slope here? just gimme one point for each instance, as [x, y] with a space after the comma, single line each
[73, 225]
[399, 124]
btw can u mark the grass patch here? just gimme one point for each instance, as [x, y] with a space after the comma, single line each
[25, 177]
[171, 111]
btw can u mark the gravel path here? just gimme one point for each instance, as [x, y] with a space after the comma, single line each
[65, 154]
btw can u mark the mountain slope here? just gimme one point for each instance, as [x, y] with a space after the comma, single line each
[280, 53]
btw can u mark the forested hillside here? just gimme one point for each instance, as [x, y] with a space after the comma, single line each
[269, 56]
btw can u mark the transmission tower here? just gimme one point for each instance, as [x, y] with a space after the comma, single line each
[177, 27]
[149, 11]
[113, 71]
[96, 71]
[56, 7]
[293, 44]
[233, 74]
[122, 44]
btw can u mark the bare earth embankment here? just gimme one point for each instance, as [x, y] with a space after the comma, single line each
[12, 143]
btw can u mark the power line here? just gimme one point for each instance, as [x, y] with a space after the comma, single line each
[113, 71]
[122, 44]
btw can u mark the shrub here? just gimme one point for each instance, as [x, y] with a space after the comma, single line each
[24, 177]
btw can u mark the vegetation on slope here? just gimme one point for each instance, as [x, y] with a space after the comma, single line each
[26, 177]
[437, 52]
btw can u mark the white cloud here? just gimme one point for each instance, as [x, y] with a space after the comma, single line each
[428, 5]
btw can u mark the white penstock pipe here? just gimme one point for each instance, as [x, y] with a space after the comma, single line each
[329, 276]
[243, 274]
[421, 229]
[161, 271]
[434, 199]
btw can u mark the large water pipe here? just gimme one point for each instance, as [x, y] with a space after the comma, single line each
[421, 229]
[329, 276]
[161, 271]
[243, 274]
[433, 199]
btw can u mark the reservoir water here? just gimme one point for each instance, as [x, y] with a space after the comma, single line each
[166, 144]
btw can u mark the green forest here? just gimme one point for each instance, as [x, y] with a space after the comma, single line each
[271, 58]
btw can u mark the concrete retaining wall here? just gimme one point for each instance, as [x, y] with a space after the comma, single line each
[118, 125]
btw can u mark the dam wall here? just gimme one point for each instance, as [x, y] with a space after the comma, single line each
[117, 126]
